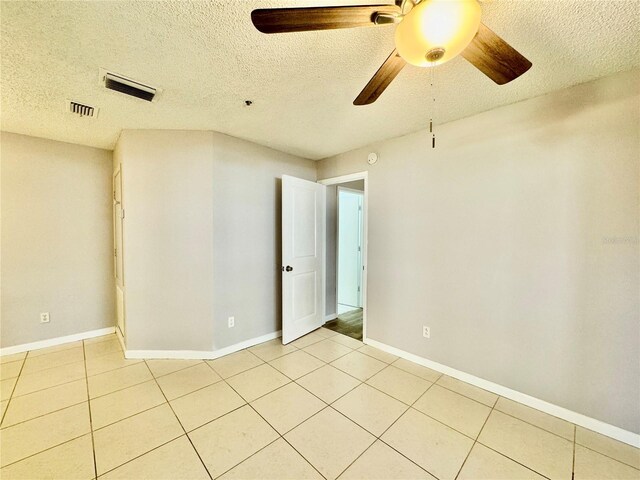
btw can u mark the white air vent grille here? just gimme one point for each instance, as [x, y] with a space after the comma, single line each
[81, 109]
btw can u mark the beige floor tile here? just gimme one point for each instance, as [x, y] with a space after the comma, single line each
[328, 383]
[55, 348]
[272, 349]
[378, 354]
[129, 438]
[371, 409]
[325, 332]
[461, 413]
[206, 404]
[51, 360]
[10, 369]
[359, 365]
[70, 461]
[102, 338]
[6, 388]
[347, 341]
[108, 362]
[308, 339]
[417, 370]
[330, 442]
[238, 362]
[485, 464]
[327, 351]
[115, 406]
[536, 417]
[227, 441]
[399, 384]
[468, 390]
[590, 465]
[296, 364]
[381, 462]
[257, 382]
[188, 380]
[15, 357]
[276, 461]
[102, 348]
[118, 379]
[46, 401]
[287, 407]
[166, 366]
[34, 436]
[174, 460]
[49, 378]
[608, 446]
[438, 449]
[544, 452]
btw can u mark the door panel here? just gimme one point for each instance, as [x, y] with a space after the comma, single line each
[350, 238]
[303, 209]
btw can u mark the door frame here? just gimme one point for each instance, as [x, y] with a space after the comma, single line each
[361, 193]
[365, 243]
[117, 173]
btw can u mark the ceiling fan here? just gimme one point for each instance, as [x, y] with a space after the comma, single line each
[428, 33]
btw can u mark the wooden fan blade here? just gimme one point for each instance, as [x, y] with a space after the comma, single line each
[494, 57]
[381, 80]
[280, 20]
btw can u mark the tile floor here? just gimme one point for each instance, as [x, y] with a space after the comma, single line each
[325, 406]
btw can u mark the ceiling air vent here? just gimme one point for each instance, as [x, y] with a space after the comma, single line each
[127, 86]
[81, 109]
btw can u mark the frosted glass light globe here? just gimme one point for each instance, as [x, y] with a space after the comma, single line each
[435, 31]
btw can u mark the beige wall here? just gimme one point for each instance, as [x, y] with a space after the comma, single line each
[516, 241]
[201, 238]
[56, 240]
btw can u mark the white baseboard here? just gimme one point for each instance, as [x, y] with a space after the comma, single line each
[612, 431]
[52, 342]
[201, 354]
[328, 318]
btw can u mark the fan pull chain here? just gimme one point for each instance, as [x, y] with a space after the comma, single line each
[433, 97]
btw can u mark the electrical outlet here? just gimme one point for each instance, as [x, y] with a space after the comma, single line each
[426, 331]
[232, 322]
[44, 317]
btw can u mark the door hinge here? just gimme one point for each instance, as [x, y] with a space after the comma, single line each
[115, 252]
[123, 213]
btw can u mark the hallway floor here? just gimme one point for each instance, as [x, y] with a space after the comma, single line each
[348, 323]
[325, 406]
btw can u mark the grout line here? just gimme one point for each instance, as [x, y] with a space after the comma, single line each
[278, 433]
[180, 423]
[13, 389]
[93, 443]
[512, 459]
[45, 450]
[4, 427]
[573, 464]
[475, 440]
[612, 458]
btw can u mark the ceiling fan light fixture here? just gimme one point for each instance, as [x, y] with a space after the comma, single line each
[435, 31]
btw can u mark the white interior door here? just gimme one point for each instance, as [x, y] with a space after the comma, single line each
[303, 239]
[350, 238]
[118, 262]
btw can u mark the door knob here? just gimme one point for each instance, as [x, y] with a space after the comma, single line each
[289, 268]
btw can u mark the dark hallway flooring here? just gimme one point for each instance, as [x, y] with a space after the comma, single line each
[349, 323]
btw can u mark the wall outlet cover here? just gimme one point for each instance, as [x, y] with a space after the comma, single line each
[44, 317]
[426, 332]
[232, 322]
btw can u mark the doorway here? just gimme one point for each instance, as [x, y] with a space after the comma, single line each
[345, 279]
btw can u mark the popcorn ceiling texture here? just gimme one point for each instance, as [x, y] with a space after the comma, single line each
[208, 59]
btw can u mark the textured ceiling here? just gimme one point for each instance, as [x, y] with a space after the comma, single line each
[208, 58]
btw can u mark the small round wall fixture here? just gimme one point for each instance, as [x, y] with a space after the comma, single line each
[372, 158]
